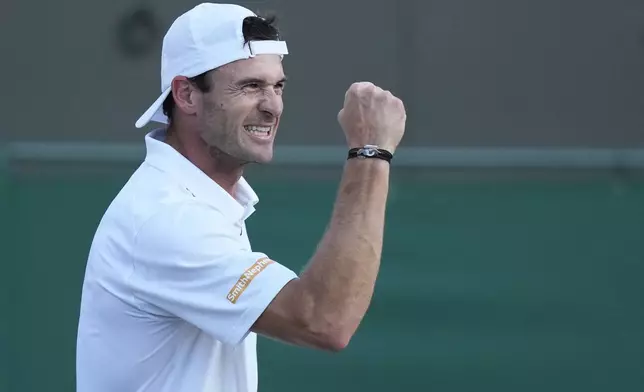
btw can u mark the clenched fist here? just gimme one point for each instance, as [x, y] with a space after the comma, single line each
[372, 115]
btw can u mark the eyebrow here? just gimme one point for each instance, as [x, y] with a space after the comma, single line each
[258, 80]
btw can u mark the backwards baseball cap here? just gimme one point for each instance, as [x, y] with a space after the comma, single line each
[204, 38]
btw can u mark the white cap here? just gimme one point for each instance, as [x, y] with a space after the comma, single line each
[204, 38]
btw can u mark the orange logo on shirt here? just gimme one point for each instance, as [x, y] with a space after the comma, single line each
[248, 277]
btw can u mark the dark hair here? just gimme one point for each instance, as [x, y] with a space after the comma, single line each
[255, 28]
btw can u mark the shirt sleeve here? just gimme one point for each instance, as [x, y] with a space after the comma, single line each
[190, 262]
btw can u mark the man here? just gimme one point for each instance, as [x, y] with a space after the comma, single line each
[173, 295]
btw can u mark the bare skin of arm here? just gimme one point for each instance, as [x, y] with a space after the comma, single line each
[323, 308]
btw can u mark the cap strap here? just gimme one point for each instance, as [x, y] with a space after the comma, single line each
[268, 47]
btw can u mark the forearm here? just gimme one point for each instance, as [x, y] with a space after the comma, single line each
[339, 280]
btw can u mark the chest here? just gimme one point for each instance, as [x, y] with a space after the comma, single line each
[241, 235]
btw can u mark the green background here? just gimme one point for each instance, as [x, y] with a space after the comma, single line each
[490, 281]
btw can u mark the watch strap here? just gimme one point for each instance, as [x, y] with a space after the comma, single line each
[370, 151]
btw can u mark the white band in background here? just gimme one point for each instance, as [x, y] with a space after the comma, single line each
[516, 158]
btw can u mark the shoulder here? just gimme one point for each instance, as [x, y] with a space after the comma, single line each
[185, 227]
[149, 195]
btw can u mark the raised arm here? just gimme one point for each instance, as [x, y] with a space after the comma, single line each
[325, 305]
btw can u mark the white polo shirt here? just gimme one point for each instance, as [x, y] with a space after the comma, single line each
[172, 286]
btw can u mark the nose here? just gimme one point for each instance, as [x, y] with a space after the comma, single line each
[271, 103]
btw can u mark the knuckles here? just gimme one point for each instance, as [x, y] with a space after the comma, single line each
[369, 92]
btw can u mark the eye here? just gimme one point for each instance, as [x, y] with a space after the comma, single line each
[252, 86]
[279, 87]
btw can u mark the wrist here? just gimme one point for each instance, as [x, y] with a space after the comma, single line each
[367, 168]
[371, 152]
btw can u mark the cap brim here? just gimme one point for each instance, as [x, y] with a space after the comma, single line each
[154, 112]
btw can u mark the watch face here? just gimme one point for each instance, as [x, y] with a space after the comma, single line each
[367, 152]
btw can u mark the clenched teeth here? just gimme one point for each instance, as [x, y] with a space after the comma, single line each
[257, 130]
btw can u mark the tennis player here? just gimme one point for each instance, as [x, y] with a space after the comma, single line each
[174, 296]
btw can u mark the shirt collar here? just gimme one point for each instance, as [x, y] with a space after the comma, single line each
[167, 159]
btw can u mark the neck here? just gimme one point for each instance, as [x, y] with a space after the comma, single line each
[219, 167]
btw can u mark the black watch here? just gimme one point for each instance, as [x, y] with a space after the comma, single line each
[370, 151]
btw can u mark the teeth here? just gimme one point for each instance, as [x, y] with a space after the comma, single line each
[258, 130]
